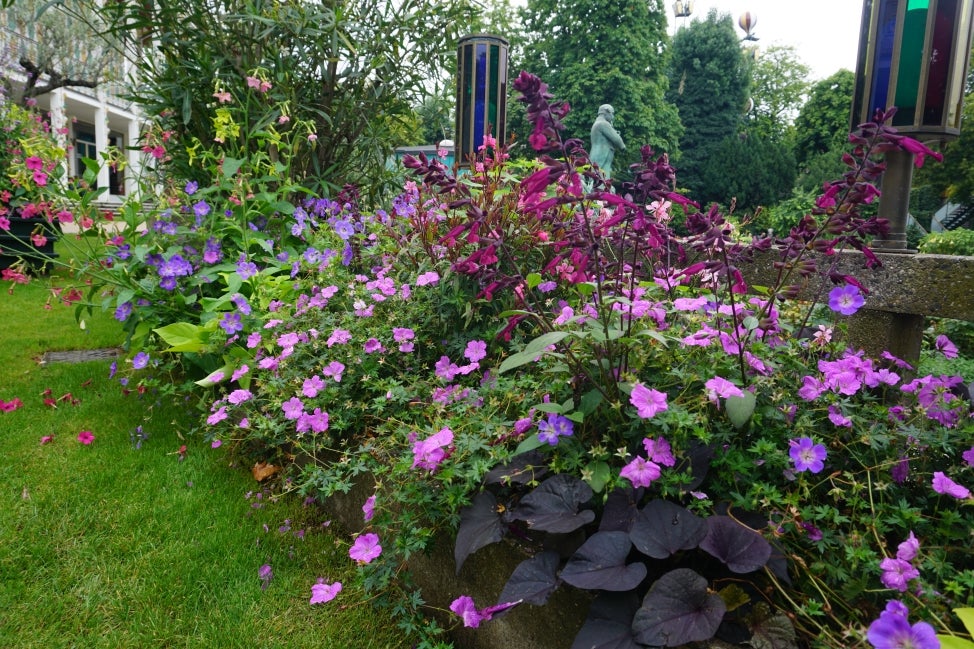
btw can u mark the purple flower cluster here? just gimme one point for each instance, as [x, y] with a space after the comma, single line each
[899, 570]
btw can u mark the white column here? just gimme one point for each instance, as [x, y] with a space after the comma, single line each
[101, 143]
[134, 171]
[59, 123]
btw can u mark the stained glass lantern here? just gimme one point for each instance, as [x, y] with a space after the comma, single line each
[481, 93]
[913, 54]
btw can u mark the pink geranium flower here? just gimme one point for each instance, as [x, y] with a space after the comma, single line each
[366, 548]
[648, 401]
[86, 437]
[322, 592]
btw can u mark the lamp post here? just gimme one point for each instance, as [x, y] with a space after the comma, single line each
[481, 93]
[913, 54]
[683, 9]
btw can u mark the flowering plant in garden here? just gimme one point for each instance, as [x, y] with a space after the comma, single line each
[501, 357]
[615, 379]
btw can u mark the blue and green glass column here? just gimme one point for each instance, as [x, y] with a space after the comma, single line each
[913, 55]
[481, 93]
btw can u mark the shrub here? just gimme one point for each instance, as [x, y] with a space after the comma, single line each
[951, 242]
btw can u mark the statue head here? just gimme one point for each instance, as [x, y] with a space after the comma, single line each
[607, 111]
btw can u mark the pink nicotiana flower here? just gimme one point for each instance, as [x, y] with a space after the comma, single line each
[428, 453]
[366, 548]
[322, 592]
[846, 299]
[640, 472]
[944, 485]
[648, 402]
[807, 455]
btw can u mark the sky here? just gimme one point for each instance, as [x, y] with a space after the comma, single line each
[825, 33]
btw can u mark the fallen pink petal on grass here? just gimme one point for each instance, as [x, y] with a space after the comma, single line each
[86, 437]
[322, 592]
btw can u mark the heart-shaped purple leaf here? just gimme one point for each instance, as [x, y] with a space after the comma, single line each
[738, 546]
[663, 528]
[600, 564]
[480, 525]
[678, 609]
[553, 505]
[533, 581]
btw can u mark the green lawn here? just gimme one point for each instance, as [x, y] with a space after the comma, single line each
[109, 545]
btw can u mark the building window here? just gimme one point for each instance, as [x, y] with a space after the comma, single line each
[84, 147]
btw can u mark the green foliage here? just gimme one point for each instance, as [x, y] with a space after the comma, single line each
[604, 53]
[778, 87]
[951, 242]
[710, 82]
[824, 120]
[765, 172]
[350, 70]
[954, 179]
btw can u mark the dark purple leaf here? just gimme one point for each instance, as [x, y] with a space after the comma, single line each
[533, 580]
[678, 609]
[619, 511]
[776, 632]
[523, 468]
[553, 505]
[740, 547]
[600, 564]
[605, 634]
[663, 528]
[480, 525]
[698, 462]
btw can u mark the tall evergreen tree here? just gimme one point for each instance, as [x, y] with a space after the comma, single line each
[609, 52]
[709, 86]
[822, 130]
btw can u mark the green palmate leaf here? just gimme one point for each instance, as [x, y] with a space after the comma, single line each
[533, 350]
[740, 409]
[182, 337]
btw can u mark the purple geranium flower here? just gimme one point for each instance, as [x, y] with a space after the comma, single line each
[807, 455]
[553, 427]
[123, 311]
[897, 573]
[846, 299]
[322, 592]
[428, 453]
[944, 485]
[640, 472]
[140, 360]
[231, 323]
[893, 631]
